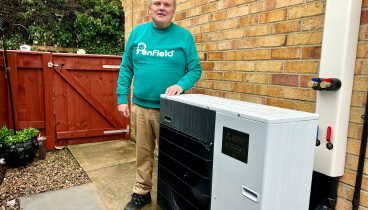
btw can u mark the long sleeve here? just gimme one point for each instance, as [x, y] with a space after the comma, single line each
[126, 72]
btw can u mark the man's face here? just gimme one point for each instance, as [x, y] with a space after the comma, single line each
[162, 11]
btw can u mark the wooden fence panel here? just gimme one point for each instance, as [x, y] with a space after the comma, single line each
[26, 75]
[85, 100]
[29, 90]
[72, 103]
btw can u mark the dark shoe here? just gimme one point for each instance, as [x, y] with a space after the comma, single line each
[138, 201]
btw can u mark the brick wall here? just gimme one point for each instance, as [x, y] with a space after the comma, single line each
[265, 51]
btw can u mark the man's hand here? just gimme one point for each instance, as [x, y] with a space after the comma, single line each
[124, 110]
[174, 90]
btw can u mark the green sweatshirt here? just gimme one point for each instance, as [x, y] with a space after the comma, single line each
[157, 58]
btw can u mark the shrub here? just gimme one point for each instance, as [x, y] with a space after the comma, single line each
[7, 135]
[94, 25]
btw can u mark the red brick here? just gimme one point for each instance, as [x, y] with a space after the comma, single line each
[269, 66]
[312, 52]
[313, 23]
[305, 106]
[269, 90]
[226, 45]
[232, 95]
[304, 38]
[270, 4]
[221, 15]
[365, 3]
[226, 4]
[247, 43]
[363, 33]
[207, 65]
[259, 78]
[305, 10]
[285, 53]
[280, 103]
[273, 16]
[215, 75]
[358, 67]
[362, 51]
[200, 2]
[195, 90]
[364, 17]
[198, 38]
[234, 76]
[299, 94]
[286, 26]
[208, 7]
[254, 99]
[310, 67]
[284, 79]
[215, 56]
[223, 85]
[213, 93]
[249, 20]
[360, 83]
[285, 3]
[205, 84]
[304, 79]
[244, 87]
[180, 16]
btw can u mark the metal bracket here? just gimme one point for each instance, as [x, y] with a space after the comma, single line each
[120, 131]
[110, 66]
[50, 64]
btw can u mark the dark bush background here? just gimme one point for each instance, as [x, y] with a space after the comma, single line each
[96, 26]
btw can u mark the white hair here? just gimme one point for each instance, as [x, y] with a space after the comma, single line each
[174, 2]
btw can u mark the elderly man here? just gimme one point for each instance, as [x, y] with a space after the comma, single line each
[162, 58]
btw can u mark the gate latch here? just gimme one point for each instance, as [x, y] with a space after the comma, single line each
[50, 64]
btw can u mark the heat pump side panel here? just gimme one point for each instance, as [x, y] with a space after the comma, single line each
[289, 165]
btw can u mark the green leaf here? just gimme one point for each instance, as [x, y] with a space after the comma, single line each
[66, 23]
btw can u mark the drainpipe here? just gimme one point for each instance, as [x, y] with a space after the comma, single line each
[363, 146]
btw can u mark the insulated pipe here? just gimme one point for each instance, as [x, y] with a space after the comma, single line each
[363, 146]
[339, 45]
[338, 56]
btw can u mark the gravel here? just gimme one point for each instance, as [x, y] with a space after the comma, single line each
[58, 171]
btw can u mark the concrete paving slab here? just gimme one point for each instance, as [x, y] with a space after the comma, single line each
[114, 185]
[103, 154]
[111, 167]
[83, 197]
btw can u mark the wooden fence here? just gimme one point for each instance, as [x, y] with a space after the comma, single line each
[70, 98]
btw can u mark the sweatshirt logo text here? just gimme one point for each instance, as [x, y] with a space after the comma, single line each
[158, 53]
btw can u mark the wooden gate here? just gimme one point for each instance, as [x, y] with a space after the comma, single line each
[70, 98]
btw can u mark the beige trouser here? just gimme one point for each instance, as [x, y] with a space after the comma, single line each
[147, 135]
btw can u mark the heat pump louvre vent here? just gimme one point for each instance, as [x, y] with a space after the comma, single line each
[195, 121]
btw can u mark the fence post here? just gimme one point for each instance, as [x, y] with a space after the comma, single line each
[49, 102]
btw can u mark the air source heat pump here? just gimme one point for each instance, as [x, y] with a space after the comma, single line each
[218, 154]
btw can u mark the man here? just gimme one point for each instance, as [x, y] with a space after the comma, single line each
[163, 58]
